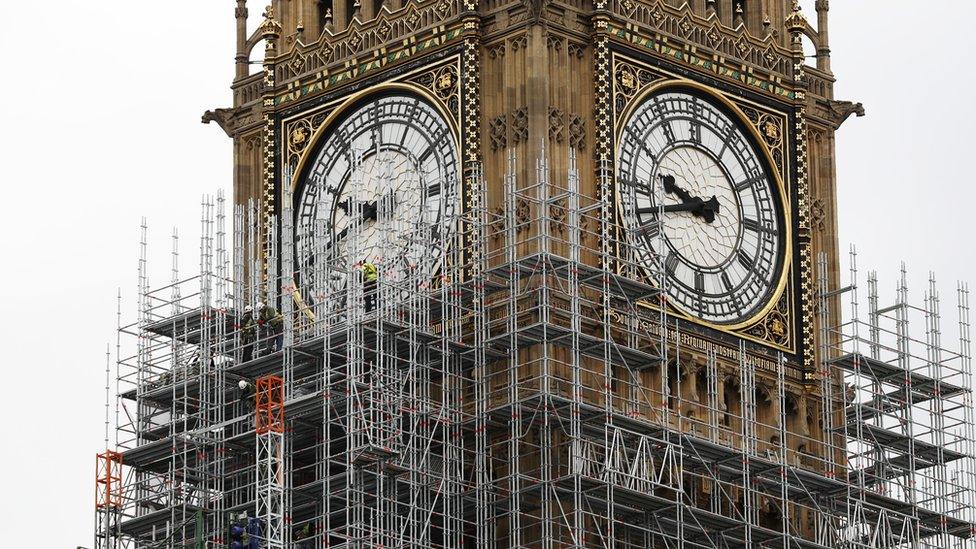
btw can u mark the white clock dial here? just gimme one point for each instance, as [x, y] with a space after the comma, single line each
[381, 188]
[699, 201]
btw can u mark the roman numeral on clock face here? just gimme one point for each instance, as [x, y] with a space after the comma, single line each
[671, 264]
[755, 226]
[749, 182]
[651, 229]
[744, 259]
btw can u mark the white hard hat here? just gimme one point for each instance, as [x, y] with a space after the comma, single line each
[248, 309]
[242, 384]
[260, 305]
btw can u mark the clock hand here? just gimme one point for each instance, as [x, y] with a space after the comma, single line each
[705, 209]
[670, 187]
[369, 210]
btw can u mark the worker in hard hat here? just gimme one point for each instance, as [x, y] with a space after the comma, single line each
[247, 395]
[369, 285]
[272, 322]
[249, 333]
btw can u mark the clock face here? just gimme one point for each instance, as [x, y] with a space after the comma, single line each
[380, 188]
[698, 200]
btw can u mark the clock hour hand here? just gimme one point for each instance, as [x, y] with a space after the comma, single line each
[369, 211]
[369, 208]
[705, 209]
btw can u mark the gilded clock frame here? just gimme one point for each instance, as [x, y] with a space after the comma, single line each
[426, 82]
[646, 79]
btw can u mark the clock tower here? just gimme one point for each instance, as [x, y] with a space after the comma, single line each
[681, 151]
[553, 273]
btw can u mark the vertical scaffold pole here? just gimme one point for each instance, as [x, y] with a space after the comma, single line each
[575, 428]
[513, 226]
[478, 236]
[968, 469]
[825, 526]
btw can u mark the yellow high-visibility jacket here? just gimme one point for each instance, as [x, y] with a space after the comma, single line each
[369, 272]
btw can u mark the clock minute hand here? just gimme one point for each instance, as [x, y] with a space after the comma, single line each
[670, 187]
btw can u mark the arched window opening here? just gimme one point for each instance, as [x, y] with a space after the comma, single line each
[324, 8]
[673, 385]
[732, 401]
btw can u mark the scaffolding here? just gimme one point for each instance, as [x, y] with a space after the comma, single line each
[525, 390]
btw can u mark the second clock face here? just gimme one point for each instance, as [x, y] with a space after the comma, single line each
[698, 200]
[381, 188]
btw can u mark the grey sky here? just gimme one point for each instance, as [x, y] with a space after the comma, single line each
[101, 108]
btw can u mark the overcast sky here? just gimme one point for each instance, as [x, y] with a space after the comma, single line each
[100, 110]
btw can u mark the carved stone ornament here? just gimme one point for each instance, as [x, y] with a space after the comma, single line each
[384, 29]
[496, 226]
[227, 119]
[521, 215]
[535, 9]
[818, 214]
[657, 14]
[557, 125]
[498, 132]
[355, 39]
[496, 50]
[518, 42]
[577, 133]
[413, 17]
[557, 217]
[714, 36]
[575, 50]
[686, 26]
[520, 126]
[554, 42]
[742, 45]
